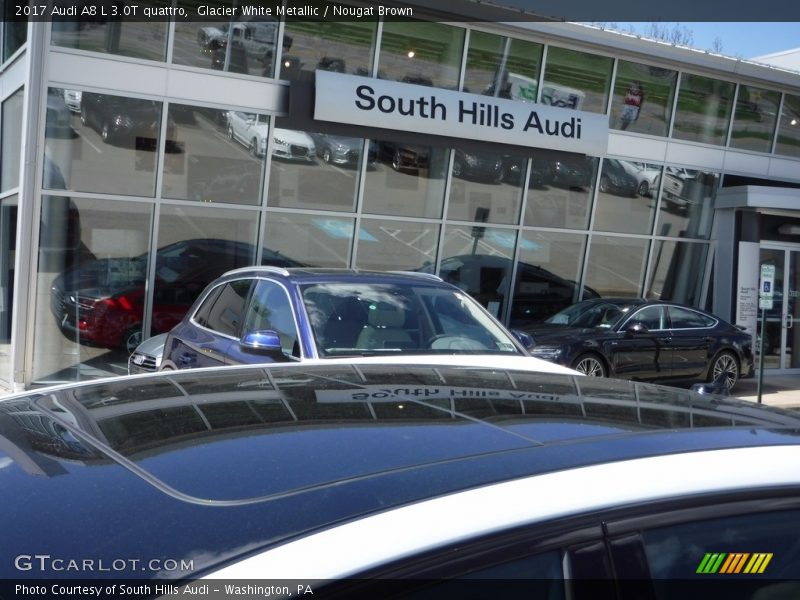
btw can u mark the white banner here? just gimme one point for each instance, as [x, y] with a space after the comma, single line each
[408, 107]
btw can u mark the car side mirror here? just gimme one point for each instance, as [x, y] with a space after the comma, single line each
[261, 342]
[523, 338]
[636, 328]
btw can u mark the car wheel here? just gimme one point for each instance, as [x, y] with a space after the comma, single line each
[230, 132]
[105, 132]
[644, 188]
[254, 147]
[326, 155]
[725, 363]
[590, 365]
[604, 184]
[131, 339]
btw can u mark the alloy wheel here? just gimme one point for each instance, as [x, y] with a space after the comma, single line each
[590, 366]
[726, 364]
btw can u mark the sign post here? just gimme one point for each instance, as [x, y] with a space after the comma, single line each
[765, 291]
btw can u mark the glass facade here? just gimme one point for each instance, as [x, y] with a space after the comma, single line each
[576, 80]
[11, 140]
[15, 33]
[643, 98]
[503, 67]
[133, 38]
[788, 141]
[149, 198]
[704, 109]
[754, 119]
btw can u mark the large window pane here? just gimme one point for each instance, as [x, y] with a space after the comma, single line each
[294, 240]
[243, 45]
[577, 80]
[218, 155]
[478, 260]
[15, 33]
[788, 142]
[314, 170]
[560, 193]
[503, 67]
[687, 203]
[643, 97]
[408, 180]
[676, 271]
[482, 190]
[8, 247]
[135, 38]
[616, 265]
[195, 246]
[396, 245]
[704, 109]
[620, 206]
[102, 143]
[422, 53]
[93, 258]
[11, 140]
[754, 120]
[342, 47]
[547, 273]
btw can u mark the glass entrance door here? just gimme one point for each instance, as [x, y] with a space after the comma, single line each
[782, 331]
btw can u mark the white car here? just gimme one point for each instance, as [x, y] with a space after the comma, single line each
[72, 98]
[252, 131]
[647, 176]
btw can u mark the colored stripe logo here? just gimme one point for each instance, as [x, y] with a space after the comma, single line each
[732, 563]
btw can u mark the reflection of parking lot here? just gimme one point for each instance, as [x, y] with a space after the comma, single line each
[623, 213]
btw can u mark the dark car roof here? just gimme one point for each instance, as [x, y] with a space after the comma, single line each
[214, 464]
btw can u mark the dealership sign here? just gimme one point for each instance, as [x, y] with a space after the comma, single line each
[408, 107]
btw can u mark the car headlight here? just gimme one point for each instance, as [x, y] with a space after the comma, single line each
[341, 148]
[280, 142]
[547, 352]
[470, 160]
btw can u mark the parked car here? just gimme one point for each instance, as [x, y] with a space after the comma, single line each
[269, 314]
[647, 176]
[253, 42]
[72, 98]
[101, 301]
[126, 121]
[513, 170]
[481, 166]
[647, 340]
[576, 174]
[376, 480]
[614, 179]
[538, 293]
[340, 149]
[251, 130]
[404, 157]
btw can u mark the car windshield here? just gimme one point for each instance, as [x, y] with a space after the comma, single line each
[371, 318]
[602, 315]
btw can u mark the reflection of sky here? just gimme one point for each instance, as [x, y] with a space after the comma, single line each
[5, 462]
[336, 228]
[507, 239]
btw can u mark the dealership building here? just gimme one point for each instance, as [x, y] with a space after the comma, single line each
[531, 163]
